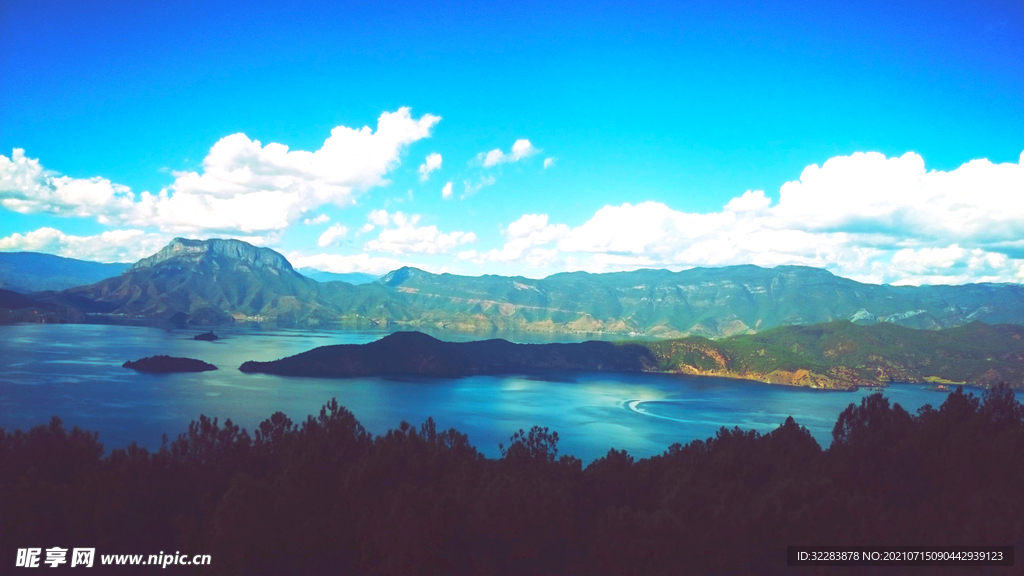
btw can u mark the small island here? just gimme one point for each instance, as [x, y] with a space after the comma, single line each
[169, 364]
[206, 336]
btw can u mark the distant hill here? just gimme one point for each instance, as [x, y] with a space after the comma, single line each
[355, 278]
[19, 308]
[837, 355]
[210, 282]
[28, 272]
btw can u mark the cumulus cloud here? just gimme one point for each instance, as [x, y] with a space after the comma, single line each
[321, 219]
[379, 217]
[26, 188]
[403, 236]
[863, 216]
[523, 235]
[549, 162]
[899, 197]
[520, 149]
[332, 235]
[110, 246]
[433, 162]
[340, 264]
[244, 187]
[750, 201]
[446, 192]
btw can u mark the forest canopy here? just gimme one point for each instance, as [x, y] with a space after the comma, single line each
[324, 496]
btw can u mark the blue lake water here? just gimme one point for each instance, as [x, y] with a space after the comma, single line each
[74, 371]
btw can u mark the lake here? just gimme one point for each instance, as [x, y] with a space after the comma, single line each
[74, 371]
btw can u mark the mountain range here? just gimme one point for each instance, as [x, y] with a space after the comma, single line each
[213, 282]
[350, 277]
[27, 272]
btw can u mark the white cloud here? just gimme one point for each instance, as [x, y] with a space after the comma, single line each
[332, 235]
[953, 265]
[751, 201]
[379, 217]
[433, 162]
[110, 246]
[549, 162]
[493, 158]
[520, 149]
[863, 216]
[321, 219]
[26, 188]
[364, 229]
[522, 235]
[446, 192]
[469, 188]
[979, 201]
[244, 187]
[344, 264]
[408, 238]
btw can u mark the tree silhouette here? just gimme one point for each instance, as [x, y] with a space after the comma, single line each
[324, 496]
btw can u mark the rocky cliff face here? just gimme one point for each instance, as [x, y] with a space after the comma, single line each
[211, 282]
[182, 250]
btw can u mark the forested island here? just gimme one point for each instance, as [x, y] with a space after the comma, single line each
[326, 497]
[836, 355]
[168, 364]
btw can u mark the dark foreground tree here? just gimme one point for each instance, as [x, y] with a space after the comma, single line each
[326, 497]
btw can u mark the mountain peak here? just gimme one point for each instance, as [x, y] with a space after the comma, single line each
[396, 277]
[192, 250]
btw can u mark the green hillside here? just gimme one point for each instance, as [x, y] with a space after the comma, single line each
[711, 302]
[843, 354]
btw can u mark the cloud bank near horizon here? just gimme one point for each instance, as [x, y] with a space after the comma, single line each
[864, 216]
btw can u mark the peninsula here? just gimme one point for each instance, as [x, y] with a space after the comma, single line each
[417, 354]
[836, 355]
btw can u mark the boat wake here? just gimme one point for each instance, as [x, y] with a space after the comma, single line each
[637, 406]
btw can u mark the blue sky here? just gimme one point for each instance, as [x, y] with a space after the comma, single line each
[651, 119]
